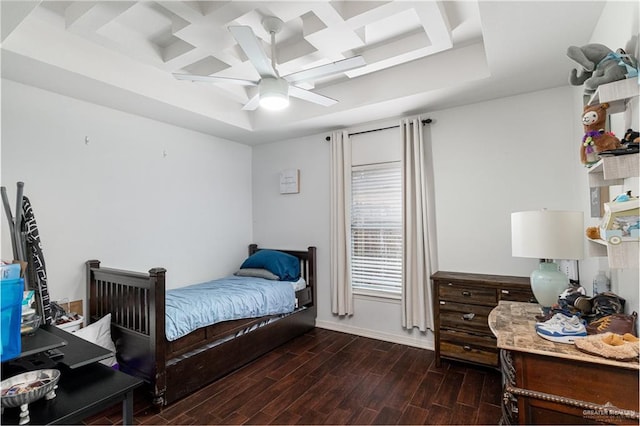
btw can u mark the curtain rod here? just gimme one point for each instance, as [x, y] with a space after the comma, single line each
[425, 121]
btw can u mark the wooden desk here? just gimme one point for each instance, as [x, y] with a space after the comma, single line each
[555, 383]
[86, 387]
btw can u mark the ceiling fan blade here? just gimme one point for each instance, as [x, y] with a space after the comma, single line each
[214, 79]
[325, 70]
[253, 103]
[251, 46]
[311, 97]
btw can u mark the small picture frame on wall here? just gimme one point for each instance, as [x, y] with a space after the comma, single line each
[290, 181]
[597, 197]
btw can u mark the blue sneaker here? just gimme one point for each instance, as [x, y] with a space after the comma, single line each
[562, 331]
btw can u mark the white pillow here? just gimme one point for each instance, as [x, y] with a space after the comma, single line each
[100, 334]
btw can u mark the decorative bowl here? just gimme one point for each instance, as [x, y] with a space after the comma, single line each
[25, 388]
[30, 326]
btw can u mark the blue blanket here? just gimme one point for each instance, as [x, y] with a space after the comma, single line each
[199, 305]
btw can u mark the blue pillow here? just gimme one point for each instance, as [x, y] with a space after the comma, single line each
[285, 266]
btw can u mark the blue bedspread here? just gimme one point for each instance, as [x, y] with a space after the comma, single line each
[199, 305]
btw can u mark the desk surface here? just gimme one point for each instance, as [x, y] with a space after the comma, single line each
[77, 352]
[39, 341]
[513, 324]
[81, 392]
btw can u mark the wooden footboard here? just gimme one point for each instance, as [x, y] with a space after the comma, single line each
[136, 302]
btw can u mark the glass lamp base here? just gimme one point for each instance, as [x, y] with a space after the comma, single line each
[547, 283]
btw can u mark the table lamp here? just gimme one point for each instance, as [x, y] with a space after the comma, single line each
[548, 235]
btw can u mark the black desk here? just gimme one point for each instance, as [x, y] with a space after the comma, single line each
[86, 387]
[40, 341]
[77, 352]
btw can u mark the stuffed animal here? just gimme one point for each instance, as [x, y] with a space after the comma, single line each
[631, 136]
[593, 232]
[595, 139]
[600, 65]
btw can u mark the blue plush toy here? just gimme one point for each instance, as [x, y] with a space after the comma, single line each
[622, 197]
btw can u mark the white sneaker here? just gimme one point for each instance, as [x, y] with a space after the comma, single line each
[559, 317]
[562, 331]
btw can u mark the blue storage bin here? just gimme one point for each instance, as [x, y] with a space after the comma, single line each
[10, 271]
[11, 304]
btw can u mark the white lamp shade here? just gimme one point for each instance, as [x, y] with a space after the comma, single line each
[274, 93]
[547, 234]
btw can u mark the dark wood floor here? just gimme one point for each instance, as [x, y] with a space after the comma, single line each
[325, 377]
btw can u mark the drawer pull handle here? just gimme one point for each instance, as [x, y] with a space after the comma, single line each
[468, 317]
[467, 348]
[442, 302]
[504, 291]
[466, 293]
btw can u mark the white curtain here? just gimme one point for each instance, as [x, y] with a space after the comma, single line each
[341, 295]
[419, 254]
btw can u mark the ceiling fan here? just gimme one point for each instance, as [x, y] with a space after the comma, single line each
[274, 90]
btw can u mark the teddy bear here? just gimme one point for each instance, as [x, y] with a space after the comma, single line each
[595, 139]
[600, 65]
[593, 232]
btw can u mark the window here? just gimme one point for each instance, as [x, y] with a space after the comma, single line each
[376, 228]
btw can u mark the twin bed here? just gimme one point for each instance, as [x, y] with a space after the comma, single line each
[176, 362]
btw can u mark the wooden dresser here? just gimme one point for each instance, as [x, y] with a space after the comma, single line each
[554, 383]
[462, 303]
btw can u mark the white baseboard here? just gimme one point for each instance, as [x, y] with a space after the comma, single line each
[423, 343]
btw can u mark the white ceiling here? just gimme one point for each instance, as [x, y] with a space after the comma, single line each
[421, 56]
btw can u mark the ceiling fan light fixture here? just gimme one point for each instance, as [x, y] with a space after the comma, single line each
[274, 93]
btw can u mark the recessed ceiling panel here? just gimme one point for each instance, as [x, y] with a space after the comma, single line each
[349, 9]
[137, 46]
[394, 26]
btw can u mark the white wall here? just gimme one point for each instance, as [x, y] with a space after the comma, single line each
[495, 158]
[118, 198]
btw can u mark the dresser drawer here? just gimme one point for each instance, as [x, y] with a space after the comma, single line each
[514, 295]
[469, 322]
[465, 308]
[457, 336]
[469, 352]
[454, 292]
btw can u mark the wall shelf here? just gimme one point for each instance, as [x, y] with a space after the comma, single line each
[616, 94]
[623, 255]
[613, 170]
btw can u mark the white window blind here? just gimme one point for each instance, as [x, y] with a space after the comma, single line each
[376, 227]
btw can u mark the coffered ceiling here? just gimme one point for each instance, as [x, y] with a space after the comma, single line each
[420, 56]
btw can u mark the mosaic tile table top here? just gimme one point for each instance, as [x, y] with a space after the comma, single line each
[513, 324]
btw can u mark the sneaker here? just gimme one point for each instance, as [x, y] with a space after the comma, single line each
[562, 331]
[616, 323]
[583, 304]
[559, 317]
[573, 320]
[607, 303]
